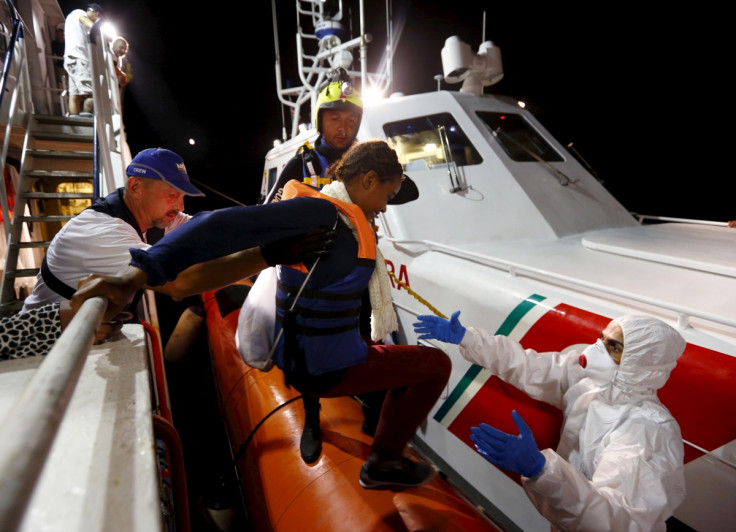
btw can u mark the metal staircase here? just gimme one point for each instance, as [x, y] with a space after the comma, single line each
[62, 162]
[55, 182]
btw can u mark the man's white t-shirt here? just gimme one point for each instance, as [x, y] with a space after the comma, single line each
[75, 35]
[91, 242]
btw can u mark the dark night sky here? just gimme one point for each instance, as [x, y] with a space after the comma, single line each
[639, 91]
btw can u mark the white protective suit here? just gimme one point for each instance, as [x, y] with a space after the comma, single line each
[619, 463]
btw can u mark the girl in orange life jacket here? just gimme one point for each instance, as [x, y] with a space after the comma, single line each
[322, 352]
[338, 362]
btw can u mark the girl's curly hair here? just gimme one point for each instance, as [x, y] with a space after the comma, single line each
[365, 156]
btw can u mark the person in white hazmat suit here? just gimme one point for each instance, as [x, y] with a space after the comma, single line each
[619, 463]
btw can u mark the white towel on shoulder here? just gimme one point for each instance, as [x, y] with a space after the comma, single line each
[383, 316]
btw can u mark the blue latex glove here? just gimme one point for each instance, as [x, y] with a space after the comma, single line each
[512, 453]
[430, 327]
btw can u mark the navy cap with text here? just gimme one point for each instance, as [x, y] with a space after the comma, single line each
[163, 164]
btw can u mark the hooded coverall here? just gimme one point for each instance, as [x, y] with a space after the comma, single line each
[619, 463]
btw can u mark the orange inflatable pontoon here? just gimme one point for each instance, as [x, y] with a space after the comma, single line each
[264, 420]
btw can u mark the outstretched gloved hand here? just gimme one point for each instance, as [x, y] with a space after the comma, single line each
[513, 453]
[300, 248]
[430, 327]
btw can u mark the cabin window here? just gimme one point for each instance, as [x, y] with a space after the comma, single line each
[518, 138]
[418, 142]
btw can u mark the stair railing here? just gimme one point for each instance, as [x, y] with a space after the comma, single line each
[108, 138]
[20, 106]
[111, 154]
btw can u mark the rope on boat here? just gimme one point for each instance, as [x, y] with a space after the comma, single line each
[244, 445]
[417, 296]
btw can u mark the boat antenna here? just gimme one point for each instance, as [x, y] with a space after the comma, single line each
[389, 46]
[278, 63]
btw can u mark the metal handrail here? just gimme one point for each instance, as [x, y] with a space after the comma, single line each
[642, 217]
[106, 95]
[32, 423]
[9, 52]
[16, 50]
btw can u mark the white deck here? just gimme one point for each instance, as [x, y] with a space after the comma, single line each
[700, 247]
[101, 473]
[640, 262]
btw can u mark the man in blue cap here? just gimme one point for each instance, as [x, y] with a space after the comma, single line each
[98, 240]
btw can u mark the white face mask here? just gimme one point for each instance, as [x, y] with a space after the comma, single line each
[598, 364]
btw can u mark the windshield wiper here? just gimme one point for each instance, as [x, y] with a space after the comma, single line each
[561, 177]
